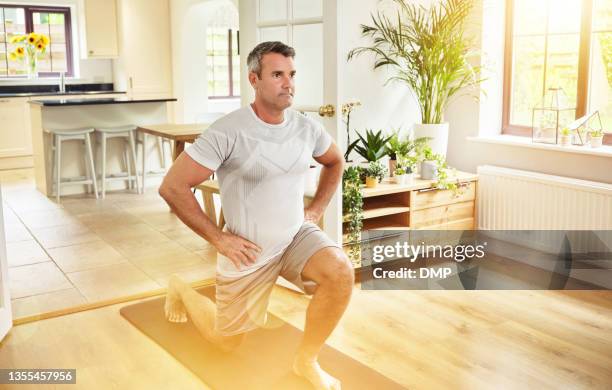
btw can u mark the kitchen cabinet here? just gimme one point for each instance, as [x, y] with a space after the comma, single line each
[16, 129]
[15, 134]
[99, 29]
[144, 65]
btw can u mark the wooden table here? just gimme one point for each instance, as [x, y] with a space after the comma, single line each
[179, 133]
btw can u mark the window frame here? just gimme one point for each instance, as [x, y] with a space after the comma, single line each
[230, 68]
[29, 10]
[584, 59]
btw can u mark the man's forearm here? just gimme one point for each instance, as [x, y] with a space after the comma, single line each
[186, 207]
[328, 183]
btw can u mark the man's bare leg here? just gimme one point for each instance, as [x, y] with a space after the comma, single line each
[334, 275]
[182, 299]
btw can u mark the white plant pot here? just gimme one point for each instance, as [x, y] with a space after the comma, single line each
[405, 179]
[565, 140]
[429, 170]
[596, 142]
[438, 134]
[409, 178]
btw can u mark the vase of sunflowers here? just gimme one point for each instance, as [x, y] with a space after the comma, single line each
[30, 47]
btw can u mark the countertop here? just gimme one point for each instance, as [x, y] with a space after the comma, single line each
[27, 94]
[26, 90]
[94, 101]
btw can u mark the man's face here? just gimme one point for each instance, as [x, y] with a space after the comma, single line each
[276, 86]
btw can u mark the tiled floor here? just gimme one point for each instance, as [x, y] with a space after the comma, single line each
[85, 250]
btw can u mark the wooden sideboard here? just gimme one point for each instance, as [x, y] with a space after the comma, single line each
[418, 205]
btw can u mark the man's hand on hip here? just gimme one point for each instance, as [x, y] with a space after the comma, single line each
[312, 215]
[239, 250]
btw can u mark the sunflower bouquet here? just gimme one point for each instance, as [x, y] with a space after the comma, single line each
[30, 47]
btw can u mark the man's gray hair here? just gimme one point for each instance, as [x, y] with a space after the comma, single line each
[255, 56]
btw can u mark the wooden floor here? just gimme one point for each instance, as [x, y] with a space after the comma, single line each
[422, 339]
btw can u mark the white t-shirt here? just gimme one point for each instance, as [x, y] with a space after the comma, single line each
[261, 171]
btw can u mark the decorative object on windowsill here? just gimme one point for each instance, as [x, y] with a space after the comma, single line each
[565, 137]
[552, 115]
[347, 109]
[585, 126]
[30, 48]
[596, 138]
[430, 53]
[375, 172]
[352, 211]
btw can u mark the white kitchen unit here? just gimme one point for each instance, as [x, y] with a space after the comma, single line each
[144, 65]
[79, 113]
[98, 24]
[15, 135]
[15, 132]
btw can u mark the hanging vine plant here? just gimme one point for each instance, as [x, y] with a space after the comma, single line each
[352, 209]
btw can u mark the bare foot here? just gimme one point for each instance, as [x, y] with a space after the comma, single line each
[174, 308]
[311, 370]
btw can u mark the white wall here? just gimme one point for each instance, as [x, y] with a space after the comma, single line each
[86, 71]
[469, 118]
[189, 19]
[382, 107]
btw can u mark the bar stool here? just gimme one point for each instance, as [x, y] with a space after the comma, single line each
[127, 133]
[63, 135]
[161, 150]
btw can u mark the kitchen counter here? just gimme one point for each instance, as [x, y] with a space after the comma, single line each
[26, 90]
[94, 101]
[58, 113]
[71, 93]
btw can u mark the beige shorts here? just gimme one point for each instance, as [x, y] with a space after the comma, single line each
[242, 302]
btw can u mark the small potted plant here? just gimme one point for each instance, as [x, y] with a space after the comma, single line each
[399, 175]
[596, 137]
[375, 173]
[372, 147]
[404, 175]
[566, 137]
[429, 164]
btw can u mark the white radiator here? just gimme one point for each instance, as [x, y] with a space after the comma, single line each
[516, 199]
[534, 210]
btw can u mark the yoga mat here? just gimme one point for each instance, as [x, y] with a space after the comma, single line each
[263, 361]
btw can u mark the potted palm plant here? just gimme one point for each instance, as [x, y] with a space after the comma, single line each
[428, 50]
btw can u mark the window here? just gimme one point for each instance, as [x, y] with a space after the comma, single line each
[552, 44]
[222, 55]
[51, 21]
